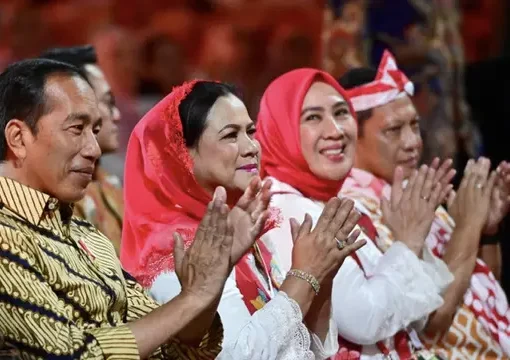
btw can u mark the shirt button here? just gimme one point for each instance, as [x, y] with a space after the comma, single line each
[52, 204]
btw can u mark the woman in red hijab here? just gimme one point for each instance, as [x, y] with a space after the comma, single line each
[307, 133]
[198, 138]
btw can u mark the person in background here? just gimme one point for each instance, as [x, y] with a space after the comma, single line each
[473, 321]
[103, 204]
[118, 56]
[63, 291]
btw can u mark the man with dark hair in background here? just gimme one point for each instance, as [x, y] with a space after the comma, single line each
[103, 204]
[389, 138]
[63, 293]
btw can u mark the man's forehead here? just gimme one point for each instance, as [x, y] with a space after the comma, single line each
[398, 110]
[71, 94]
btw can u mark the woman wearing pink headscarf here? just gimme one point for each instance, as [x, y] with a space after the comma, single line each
[307, 131]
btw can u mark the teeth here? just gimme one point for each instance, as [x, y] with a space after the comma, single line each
[333, 152]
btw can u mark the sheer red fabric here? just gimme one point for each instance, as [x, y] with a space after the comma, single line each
[161, 193]
[279, 135]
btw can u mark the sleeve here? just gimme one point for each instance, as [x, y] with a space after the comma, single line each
[140, 304]
[367, 310]
[33, 318]
[275, 331]
[396, 294]
[330, 346]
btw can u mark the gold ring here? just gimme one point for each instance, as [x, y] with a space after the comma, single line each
[340, 244]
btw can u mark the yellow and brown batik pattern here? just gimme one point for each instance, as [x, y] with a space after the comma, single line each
[63, 293]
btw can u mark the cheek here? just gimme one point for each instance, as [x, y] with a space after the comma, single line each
[308, 140]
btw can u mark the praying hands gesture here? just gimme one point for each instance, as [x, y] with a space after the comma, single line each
[500, 199]
[248, 217]
[410, 211]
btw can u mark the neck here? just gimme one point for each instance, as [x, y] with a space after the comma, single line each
[9, 170]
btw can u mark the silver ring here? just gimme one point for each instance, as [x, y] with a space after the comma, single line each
[426, 198]
[479, 186]
[340, 244]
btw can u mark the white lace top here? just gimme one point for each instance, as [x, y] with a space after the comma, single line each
[274, 332]
[399, 291]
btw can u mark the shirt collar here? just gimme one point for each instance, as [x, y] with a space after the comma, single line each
[29, 203]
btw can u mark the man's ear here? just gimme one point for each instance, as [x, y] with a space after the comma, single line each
[16, 137]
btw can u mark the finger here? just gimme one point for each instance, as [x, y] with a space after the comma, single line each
[396, 188]
[349, 224]
[263, 200]
[212, 230]
[482, 171]
[294, 229]
[338, 221]
[443, 170]
[328, 214]
[489, 186]
[306, 226]
[249, 194]
[353, 236]
[466, 175]
[352, 248]
[406, 196]
[204, 223]
[416, 191]
[178, 252]
[224, 231]
[451, 198]
[429, 184]
[435, 196]
[435, 163]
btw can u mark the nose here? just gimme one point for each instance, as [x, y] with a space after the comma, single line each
[332, 129]
[115, 114]
[91, 150]
[410, 138]
[249, 147]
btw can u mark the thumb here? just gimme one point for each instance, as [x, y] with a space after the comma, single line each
[294, 229]
[178, 254]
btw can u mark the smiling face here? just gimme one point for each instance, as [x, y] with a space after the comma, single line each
[391, 137]
[227, 153]
[328, 132]
[59, 159]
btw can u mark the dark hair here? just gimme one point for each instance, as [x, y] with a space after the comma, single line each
[22, 92]
[78, 56]
[354, 78]
[194, 109]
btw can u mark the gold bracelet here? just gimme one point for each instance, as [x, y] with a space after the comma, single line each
[309, 278]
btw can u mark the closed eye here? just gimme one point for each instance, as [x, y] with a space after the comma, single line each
[231, 135]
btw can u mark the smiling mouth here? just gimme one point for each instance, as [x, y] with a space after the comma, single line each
[334, 154]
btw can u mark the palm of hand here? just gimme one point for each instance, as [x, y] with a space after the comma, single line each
[244, 232]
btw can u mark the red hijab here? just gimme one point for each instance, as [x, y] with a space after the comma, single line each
[161, 194]
[279, 136]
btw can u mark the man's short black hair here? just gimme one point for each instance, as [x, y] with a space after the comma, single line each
[78, 56]
[22, 92]
[354, 78]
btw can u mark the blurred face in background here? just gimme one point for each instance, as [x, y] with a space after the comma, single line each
[390, 138]
[108, 136]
